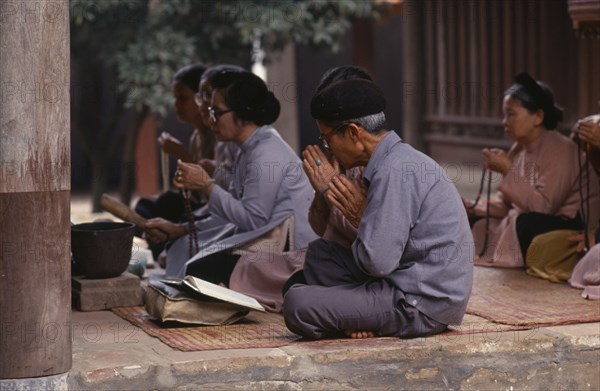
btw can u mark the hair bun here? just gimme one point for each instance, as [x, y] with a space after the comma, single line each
[545, 98]
[247, 96]
[558, 113]
[525, 79]
[269, 110]
[540, 97]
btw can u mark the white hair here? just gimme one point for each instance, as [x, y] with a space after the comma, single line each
[372, 123]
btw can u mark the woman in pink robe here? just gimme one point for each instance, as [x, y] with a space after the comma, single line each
[539, 191]
[586, 274]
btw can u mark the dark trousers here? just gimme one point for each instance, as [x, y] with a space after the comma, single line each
[215, 268]
[529, 225]
[168, 205]
[339, 297]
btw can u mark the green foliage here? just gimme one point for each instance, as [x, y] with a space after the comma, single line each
[102, 28]
[145, 68]
[145, 41]
[315, 23]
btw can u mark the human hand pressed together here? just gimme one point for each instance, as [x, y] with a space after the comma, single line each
[319, 169]
[348, 197]
[497, 160]
[191, 176]
[336, 189]
[590, 133]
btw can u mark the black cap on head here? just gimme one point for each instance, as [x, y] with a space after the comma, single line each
[344, 72]
[347, 99]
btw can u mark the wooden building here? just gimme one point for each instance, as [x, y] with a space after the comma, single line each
[444, 65]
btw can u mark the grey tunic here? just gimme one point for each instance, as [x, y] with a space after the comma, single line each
[415, 232]
[268, 186]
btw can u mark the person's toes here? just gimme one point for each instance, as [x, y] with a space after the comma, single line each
[360, 334]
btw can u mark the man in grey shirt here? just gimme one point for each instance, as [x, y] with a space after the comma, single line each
[409, 272]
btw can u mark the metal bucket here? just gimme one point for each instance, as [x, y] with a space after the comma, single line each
[102, 249]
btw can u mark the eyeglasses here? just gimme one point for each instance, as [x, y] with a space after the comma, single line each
[323, 137]
[198, 99]
[202, 98]
[214, 115]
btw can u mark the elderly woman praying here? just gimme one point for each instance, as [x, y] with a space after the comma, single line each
[264, 210]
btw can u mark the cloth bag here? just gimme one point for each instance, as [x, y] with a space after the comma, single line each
[551, 256]
[167, 303]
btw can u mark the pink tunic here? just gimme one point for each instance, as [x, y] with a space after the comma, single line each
[543, 179]
[262, 275]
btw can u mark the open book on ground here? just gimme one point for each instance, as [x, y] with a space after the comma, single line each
[212, 291]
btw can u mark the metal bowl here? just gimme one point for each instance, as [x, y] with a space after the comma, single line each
[102, 249]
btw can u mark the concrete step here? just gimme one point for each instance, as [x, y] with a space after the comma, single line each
[111, 354]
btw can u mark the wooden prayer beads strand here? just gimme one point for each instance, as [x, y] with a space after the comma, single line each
[487, 210]
[192, 230]
[164, 169]
[480, 189]
[486, 170]
[586, 222]
[583, 212]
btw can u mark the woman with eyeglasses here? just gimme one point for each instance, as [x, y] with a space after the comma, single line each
[267, 189]
[225, 151]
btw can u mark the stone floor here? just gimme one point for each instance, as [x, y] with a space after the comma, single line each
[111, 354]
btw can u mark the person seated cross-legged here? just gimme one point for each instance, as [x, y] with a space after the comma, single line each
[409, 272]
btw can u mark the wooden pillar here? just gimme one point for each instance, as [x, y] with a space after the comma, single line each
[147, 172]
[363, 52]
[282, 81]
[35, 296]
[413, 129]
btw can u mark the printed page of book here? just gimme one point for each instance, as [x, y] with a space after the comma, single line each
[222, 293]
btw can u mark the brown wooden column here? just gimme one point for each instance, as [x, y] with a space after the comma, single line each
[35, 297]
[147, 172]
[363, 52]
[413, 43]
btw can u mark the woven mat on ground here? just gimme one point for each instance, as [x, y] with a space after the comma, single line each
[260, 330]
[511, 296]
[257, 330]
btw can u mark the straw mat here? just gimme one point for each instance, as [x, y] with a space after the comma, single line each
[257, 330]
[511, 296]
[263, 330]
[502, 300]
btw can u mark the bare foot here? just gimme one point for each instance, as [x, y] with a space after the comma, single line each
[360, 334]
